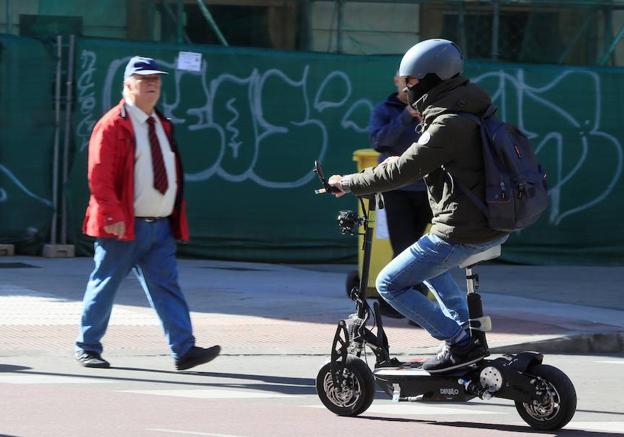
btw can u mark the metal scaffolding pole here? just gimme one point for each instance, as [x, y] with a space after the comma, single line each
[461, 22]
[68, 111]
[57, 137]
[495, 28]
[179, 21]
[7, 12]
[339, 23]
[211, 22]
[175, 20]
[603, 60]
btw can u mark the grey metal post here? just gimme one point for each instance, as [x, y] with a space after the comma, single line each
[57, 138]
[495, 28]
[68, 113]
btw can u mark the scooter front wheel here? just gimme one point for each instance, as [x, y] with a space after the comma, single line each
[558, 405]
[354, 394]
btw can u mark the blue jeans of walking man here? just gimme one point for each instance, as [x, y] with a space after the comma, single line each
[429, 260]
[152, 257]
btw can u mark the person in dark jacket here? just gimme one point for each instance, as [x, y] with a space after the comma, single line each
[392, 129]
[136, 212]
[449, 145]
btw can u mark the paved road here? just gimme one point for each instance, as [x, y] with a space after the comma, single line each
[275, 323]
[235, 396]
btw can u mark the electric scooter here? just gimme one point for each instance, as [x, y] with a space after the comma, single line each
[544, 396]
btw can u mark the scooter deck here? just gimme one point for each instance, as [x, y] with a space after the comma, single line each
[402, 369]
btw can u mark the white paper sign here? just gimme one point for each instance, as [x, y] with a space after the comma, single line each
[189, 61]
[381, 225]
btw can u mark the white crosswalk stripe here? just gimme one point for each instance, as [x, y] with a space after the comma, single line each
[212, 393]
[25, 378]
[424, 410]
[615, 427]
[179, 431]
[415, 409]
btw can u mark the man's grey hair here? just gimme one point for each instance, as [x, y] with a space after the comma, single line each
[123, 89]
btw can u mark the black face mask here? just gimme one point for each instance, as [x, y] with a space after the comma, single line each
[415, 92]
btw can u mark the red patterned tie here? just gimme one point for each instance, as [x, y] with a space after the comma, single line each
[158, 165]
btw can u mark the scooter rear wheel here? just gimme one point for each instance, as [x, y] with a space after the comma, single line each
[559, 407]
[354, 395]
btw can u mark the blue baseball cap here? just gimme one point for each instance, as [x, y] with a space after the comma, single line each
[142, 66]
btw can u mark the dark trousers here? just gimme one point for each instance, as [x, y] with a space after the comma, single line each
[408, 214]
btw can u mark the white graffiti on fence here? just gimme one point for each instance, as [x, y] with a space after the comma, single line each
[525, 95]
[250, 101]
[85, 90]
[223, 115]
[4, 197]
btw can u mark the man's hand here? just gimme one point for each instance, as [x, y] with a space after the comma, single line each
[117, 229]
[334, 181]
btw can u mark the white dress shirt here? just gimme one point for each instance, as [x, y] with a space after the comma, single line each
[149, 202]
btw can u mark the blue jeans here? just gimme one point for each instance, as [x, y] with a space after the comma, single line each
[429, 260]
[152, 257]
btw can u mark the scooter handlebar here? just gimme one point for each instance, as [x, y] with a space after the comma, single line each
[327, 189]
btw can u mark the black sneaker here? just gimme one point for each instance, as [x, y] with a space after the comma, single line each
[91, 359]
[451, 357]
[197, 356]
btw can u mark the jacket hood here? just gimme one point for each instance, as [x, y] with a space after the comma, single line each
[454, 95]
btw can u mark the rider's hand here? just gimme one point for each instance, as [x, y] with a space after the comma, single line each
[117, 229]
[334, 181]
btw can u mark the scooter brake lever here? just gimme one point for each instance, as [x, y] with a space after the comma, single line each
[318, 169]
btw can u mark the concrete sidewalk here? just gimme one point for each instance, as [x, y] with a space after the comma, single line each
[262, 309]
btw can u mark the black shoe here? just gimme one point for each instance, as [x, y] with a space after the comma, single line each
[197, 356]
[452, 357]
[92, 359]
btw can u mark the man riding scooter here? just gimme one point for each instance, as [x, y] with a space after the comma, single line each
[448, 155]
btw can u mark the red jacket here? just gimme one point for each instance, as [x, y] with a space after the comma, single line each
[111, 177]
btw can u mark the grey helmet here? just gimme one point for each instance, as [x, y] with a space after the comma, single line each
[438, 56]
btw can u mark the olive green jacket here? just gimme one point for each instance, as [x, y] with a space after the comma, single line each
[450, 143]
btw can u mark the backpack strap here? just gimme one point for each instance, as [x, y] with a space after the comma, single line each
[478, 202]
[491, 110]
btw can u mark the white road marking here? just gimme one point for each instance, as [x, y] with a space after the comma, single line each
[213, 393]
[616, 427]
[415, 409]
[610, 362]
[24, 378]
[177, 431]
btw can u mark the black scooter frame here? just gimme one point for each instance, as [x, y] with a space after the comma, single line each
[409, 382]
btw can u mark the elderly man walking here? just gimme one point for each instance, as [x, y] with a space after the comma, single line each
[136, 212]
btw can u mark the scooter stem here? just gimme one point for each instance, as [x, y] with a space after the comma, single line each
[369, 223]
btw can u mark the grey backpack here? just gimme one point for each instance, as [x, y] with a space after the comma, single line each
[516, 193]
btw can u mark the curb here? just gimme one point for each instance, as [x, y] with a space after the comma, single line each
[598, 343]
